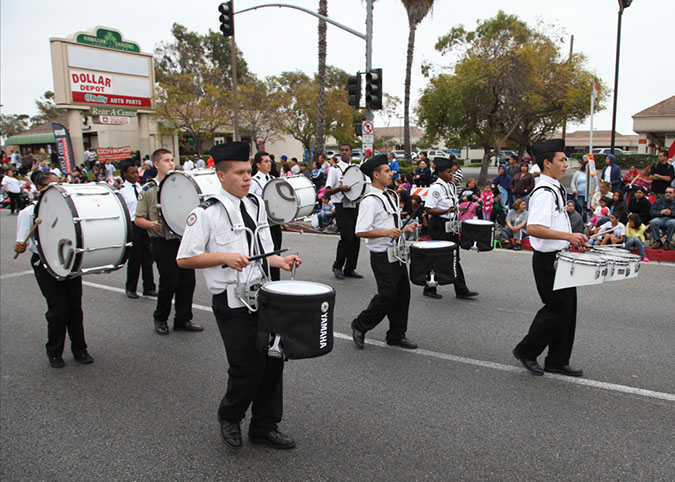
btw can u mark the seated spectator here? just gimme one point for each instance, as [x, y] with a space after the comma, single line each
[149, 171]
[327, 212]
[619, 207]
[304, 171]
[640, 205]
[422, 218]
[663, 219]
[601, 212]
[405, 204]
[516, 226]
[635, 235]
[642, 179]
[522, 183]
[604, 191]
[318, 175]
[613, 231]
[407, 185]
[467, 210]
[487, 199]
[576, 222]
[471, 192]
[423, 175]
[630, 175]
[286, 170]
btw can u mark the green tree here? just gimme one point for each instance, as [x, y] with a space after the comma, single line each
[13, 124]
[259, 111]
[510, 82]
[416, 10]
[47, 109]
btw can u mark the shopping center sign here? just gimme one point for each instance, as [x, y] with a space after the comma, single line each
[101, 69]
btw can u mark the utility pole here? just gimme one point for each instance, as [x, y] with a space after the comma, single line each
[369, 50]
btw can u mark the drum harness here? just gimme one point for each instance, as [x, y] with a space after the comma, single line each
[560, 195]
[452, 225]
[401, 251]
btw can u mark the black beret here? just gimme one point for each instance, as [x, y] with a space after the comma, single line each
[373, 163]
[547, 146]
[231, 151]
[442, 163]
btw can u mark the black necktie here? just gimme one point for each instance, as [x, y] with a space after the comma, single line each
[135, 190]
[267, 178]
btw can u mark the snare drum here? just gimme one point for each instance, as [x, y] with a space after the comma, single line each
[180, 192]
[436, 257]
[618, 260]
[358, 182]
[301, 312]
[86, 228]
[289, 198]
[477, 234]
[578, 269]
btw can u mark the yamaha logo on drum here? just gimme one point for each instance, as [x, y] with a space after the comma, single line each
[324, 306]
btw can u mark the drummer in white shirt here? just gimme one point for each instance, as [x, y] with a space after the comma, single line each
[549, 229]
[378, 223]
[188, 165]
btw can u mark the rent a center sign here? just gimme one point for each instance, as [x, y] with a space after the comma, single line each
[101, 69]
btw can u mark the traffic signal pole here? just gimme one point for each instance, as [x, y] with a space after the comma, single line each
[369, 49]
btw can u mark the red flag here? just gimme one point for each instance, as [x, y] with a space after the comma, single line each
[671, 151]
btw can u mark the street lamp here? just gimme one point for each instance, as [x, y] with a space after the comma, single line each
[622, 5]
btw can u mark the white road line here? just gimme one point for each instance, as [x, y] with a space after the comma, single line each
[15, 275]
[453, 358]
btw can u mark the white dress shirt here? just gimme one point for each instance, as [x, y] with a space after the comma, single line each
[12, 184]
[188, 166]
[335, 180]
[258, 182]
[545, 210]
[209, 230]
[441, 195]
[373, 215]
[130, 196]
[24, 223]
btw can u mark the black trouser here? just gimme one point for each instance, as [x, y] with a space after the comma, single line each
[64, 310]
[140, 256]
[437, 233]
[275, 231]
[172, 280]
[555, 322]
[392, 298]
[349, 244]
[253, 377]
[15, 202]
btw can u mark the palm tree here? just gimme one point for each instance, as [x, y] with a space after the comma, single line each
[417, 10]
[319, 138]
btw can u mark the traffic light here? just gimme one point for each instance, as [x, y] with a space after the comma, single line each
[226, 18]
[374, 89]
[354, 90]
[358, 128]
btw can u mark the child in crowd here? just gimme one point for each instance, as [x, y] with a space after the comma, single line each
[467, 209]
[327, 212]
[487, 200]
[635, 235]
[600, 212]
[615, 232]
[415, 202]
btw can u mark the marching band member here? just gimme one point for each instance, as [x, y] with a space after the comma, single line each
[209, 243]
[441, 204]
[263, 163]
[379, 224]
[173, 280]
[140, 255]
[64, 297]
[549, 229]
[345, 215]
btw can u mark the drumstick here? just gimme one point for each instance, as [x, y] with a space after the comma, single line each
[264, 255]
[604, 232]
[32, 230]
[295, 264]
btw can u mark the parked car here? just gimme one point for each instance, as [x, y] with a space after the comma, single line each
[357, 154]
[433, 153]
[607, 150]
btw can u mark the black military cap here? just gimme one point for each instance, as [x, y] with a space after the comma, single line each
[231, 151]
[373, 163]
[549, 146]
[442, 163]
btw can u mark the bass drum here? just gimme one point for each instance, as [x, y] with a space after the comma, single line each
[301, 312]
[180, 192]
[85, 228]
[357, 181]
[289, 198]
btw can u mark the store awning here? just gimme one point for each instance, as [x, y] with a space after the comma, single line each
[31, 139]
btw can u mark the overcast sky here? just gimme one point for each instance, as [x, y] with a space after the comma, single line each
[278, 39]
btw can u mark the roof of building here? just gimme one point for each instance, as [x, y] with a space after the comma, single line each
[664, 108]
[397, 131]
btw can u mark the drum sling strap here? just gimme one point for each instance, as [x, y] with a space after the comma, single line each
[450, 192]
[560, 200]
[387, 201]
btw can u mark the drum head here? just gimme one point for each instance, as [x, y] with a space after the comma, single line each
[297, 288]
[585, 258]
[178, 196]
[609, 251]
[281, 201]
[359, 182]
[56, 234]
[433, 244]
[478, 222]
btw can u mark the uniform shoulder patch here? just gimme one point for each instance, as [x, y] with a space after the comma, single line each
[192, 218]
[147, 185]
[436, 194]
[209, 202]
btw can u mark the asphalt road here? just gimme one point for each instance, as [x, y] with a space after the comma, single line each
[459, 408]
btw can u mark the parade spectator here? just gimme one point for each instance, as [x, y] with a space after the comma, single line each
[55, 169]
[522, 183]
[12, 187]
[393, 165]
[613, 231]
[487, 199]
[295, 169]
[576, 222]
[579, 182]
[619, 207]
[327, 212]
[635, 235]
[642, 179]
[601, 212]
[423, 175]
[471, 191]
[640, 205]
[304, 171]
[663, 219]
[109, 170]
[630, 175]
[535, 170]
[149, 171]
[405, 204]
[661, 174]
[318, 175]
[516, 226]
[467, 209]
[457, 173]
[503, 182]
[597, 195]
[99, 172]
[200, 164]
[513, 168]
[407, 185]
[188, 165]
[611, 173]
[286, 170]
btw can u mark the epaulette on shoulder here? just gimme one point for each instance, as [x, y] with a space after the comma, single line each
[208, 202]
[148, 185]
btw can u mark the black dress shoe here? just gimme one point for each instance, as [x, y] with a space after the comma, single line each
[85, 358]
[403, 343]
[150, 293]
[338, 273]
[161, 327]
[359, 338]
[564, 370]
[56, 362]
[432, 294]
[132, 294]
[530, 365]
[353, 274]
[187, 326]
[231, 432]
[467, 295]
[274, 439]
